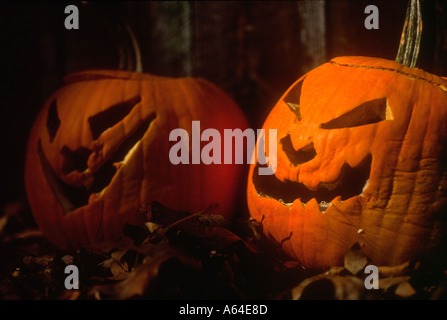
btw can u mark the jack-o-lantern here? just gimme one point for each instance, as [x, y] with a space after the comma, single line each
[361, 158]
[99, 151]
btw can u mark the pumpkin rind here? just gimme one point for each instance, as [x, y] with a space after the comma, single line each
[401, 214]
[145, 174]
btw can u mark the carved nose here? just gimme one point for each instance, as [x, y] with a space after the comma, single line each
[297, 157]
[74, 160]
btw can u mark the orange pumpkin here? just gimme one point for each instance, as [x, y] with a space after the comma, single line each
[361, 157]
[99, 150]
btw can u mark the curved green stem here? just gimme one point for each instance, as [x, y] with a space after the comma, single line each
[408, 51]
[138, 66]
[129, 50]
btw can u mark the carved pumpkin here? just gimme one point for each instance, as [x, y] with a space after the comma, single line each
[361, 157]
[99, 151]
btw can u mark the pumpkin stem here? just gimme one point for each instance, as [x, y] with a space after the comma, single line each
[124, 37]
[408, 51]
[138, 66]
[127, 44]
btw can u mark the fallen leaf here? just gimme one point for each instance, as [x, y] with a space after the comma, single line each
[120, 271]
[336, 270]
[3, 223]
[152, 226]
[37, 262]
[140, 279]
[394, 271]
[386, 284]
[329, 287]
[118, 268]
[405, 290]
[70, 295]
[68, 259]
[355, 260]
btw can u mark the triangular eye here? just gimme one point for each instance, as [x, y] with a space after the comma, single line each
[108, 118]
[292, 99]
[53, 121]
[369, 112]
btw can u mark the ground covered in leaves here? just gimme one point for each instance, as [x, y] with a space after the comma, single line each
[181, 255]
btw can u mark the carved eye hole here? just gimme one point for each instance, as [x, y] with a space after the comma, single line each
[301, 156]
[53, 121]
[103, 120]
[292, 99]
[367, 113]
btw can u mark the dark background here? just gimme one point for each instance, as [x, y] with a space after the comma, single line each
[252, 49]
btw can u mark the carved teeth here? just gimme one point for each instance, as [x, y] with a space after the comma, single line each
[324, 205]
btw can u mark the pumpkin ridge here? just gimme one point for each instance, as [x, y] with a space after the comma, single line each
[412, 76]
[394, 178]
[419, 170]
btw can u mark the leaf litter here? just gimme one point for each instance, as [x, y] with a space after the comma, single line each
[183, 255]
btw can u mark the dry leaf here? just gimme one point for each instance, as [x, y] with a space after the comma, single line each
[329, 287]
[387, 283]
[336, 270]
[37, 262]
[3, 223]
[394, 271]
[140, 279]
[68, 259]
[69, 295]
[118, 268]
[405, 290]
[355, 260]
[152, 226]
[120, 271]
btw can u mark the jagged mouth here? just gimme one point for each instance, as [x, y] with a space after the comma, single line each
[352, 182]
